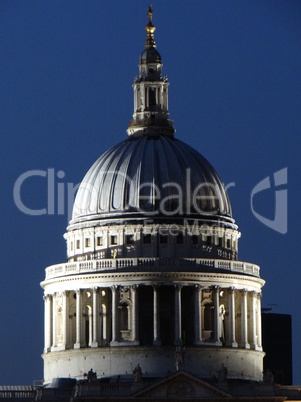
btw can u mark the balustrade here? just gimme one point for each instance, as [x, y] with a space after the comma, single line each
[54, 271]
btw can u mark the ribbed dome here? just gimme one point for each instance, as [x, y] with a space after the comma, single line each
[155, 176]
[150, 55]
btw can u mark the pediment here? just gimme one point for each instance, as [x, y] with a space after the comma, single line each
[182, 385]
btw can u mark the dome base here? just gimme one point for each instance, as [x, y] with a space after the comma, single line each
[204, 362]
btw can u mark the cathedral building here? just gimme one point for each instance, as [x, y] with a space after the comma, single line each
[153, 276]
[153, 302]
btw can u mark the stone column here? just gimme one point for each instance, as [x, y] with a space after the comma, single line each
[90, 323]
[79, 318]
[178, 316]
[244, 320]
[114, 316]
[65, 319]
[232, 317]
[198, 319]
[217, 321]
[134, 296]
[259, 321]
[104, 324]
[253, 320]
[156, 318]
[47, 322]
[54, 322]
[95, 323]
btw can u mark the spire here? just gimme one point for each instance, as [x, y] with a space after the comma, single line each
[150, 91]
[150, 29]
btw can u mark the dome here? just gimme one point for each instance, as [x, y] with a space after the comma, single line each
[150, 55]
[151, 176]
[152, 265]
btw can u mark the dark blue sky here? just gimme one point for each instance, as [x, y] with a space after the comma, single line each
[65, 97]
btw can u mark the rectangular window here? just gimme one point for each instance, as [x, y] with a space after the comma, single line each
[87, 242]
[77, 244]
[147, 239]
[220, 242]
[113, 240]
[228, 243]
[99, 241]
[129, 239]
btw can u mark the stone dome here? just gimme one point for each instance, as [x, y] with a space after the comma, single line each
[155, 176]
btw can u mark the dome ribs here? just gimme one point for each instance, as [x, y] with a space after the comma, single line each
[156, 176]
[134, 170]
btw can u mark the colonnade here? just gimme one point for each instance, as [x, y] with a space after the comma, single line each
[99, 317]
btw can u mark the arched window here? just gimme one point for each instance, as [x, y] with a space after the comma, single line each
[72, 324]
[208, 321]
[124, 317]
[125, 325]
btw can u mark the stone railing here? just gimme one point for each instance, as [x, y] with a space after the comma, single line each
[23, 392]
[96, 390]
[140, 264]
